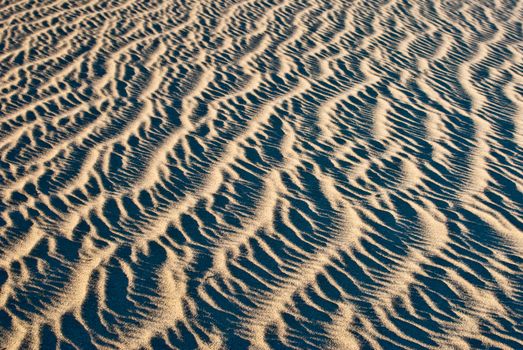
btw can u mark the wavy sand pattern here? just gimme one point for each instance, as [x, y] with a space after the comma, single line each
[265, 174]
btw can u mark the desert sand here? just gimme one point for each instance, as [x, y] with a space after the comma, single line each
[261, 174]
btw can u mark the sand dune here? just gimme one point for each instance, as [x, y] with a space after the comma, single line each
[264, 174]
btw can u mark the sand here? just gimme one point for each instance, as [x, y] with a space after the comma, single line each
[261, 174]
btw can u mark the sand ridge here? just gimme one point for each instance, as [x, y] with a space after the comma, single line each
[263, 174]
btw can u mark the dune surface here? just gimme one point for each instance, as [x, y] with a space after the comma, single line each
[261, 174]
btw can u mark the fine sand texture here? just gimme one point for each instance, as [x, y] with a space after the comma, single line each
[261, 174]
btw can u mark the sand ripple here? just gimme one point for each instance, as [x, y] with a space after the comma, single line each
[265, 174]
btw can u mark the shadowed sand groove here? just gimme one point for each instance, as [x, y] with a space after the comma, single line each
[264, 174]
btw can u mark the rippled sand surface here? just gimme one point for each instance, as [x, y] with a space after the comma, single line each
[263, 174]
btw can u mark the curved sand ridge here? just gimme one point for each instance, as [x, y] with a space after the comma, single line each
[266, 174]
